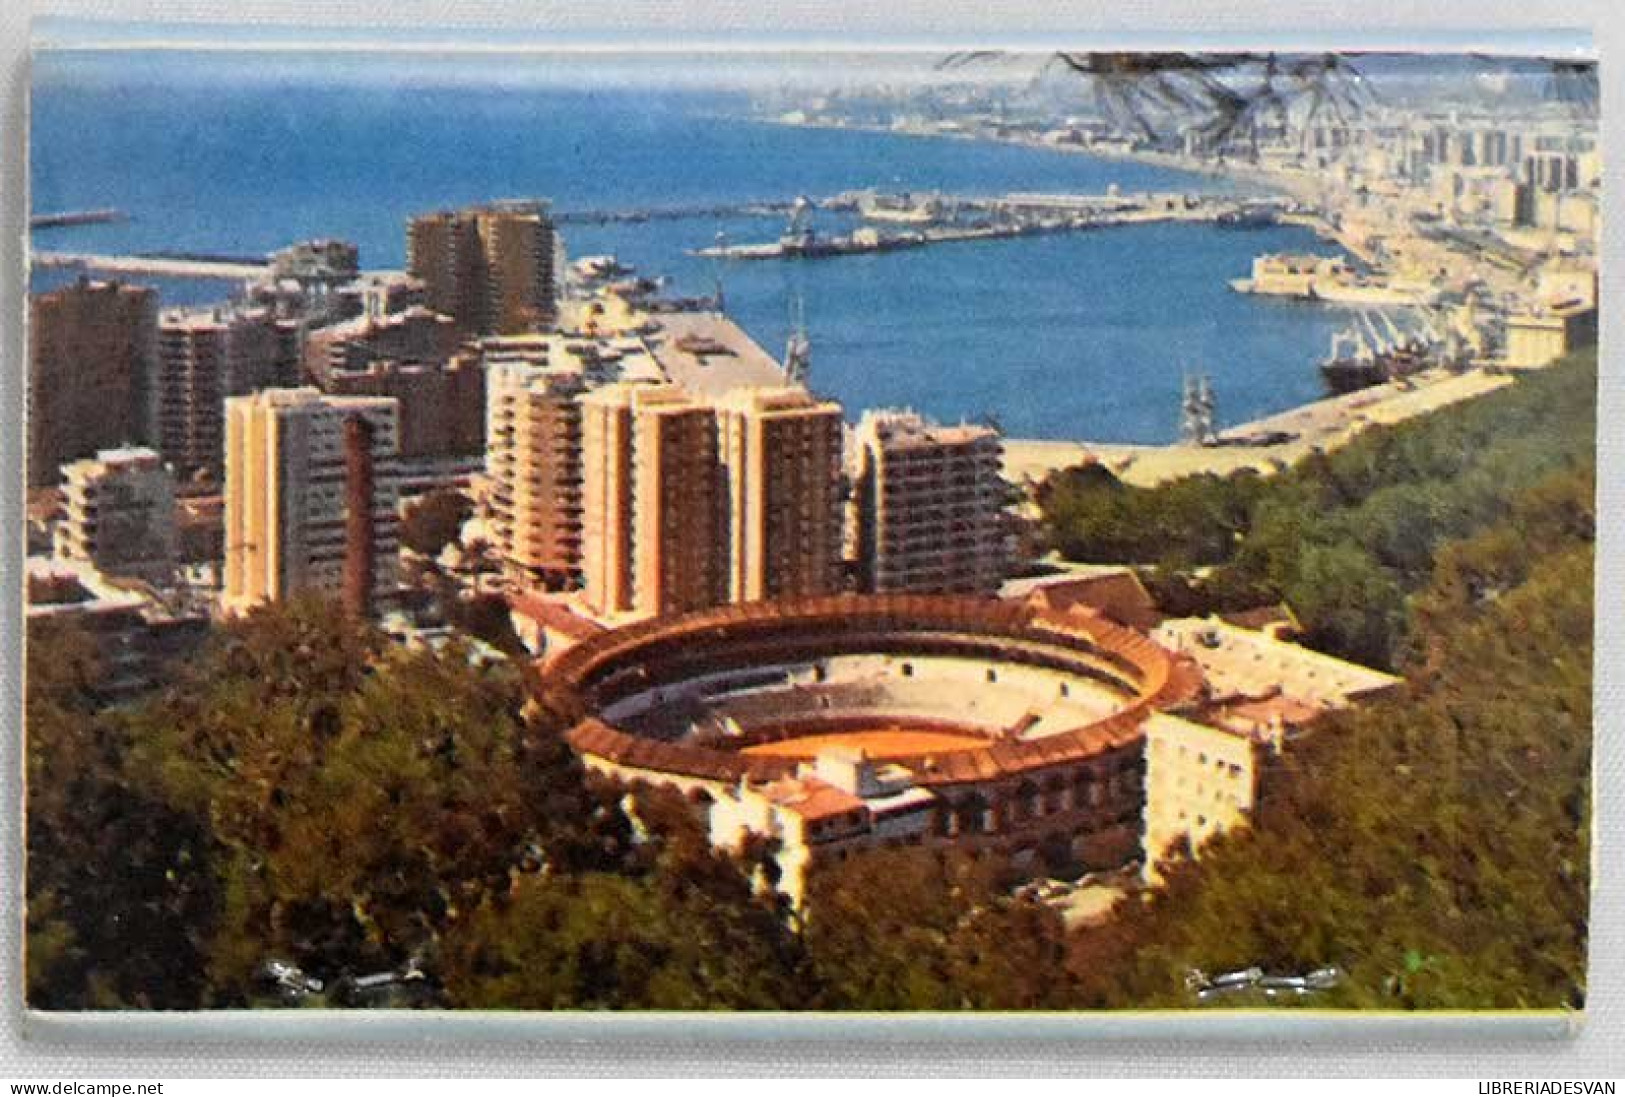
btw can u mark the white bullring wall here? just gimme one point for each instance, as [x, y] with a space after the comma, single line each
[921, 686]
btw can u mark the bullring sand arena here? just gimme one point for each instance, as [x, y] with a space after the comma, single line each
[1042, 730]
[957, 691]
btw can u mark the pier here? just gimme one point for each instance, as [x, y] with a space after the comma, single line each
[640, 215]
[156, 266]
[967, 217]
[68, 218]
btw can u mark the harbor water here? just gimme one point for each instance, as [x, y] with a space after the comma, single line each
[1080, 335]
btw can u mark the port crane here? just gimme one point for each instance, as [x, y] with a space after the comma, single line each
[799, 231]
[798, 349]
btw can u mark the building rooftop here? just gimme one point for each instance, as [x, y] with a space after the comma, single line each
[111, 459]
[56, 586]
[812, 799]
[590, 358]
[211, 317]
[781, 397]
[308, 396]
[709, 354]
[366, 325]
[1241, 662]
[897, 428]
[554, 614]
[1112, 589]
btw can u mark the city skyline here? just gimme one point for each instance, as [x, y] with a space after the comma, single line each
[508, 624]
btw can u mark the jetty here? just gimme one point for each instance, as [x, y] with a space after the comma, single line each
[68, 218]
[228, 268]
[959, 218]
[641, 214]
[1266, 446]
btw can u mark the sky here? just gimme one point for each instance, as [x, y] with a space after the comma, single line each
[463, 54]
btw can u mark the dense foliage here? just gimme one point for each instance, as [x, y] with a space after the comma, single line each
[1435, 847]
[306, 792]
[1342, 538]
[435, 521]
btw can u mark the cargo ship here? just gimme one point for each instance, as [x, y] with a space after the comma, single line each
[1362, 356]
[1247, 217]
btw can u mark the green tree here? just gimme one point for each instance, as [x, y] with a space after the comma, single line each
[1436, 846]
[435, 521]
[914, 928]
[121, 898]
[365, 799]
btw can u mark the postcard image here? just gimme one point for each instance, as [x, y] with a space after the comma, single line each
[513, 527]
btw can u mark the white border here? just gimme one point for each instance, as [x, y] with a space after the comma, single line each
[284, 1044]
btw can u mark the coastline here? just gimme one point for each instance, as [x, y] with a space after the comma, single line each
[1320, 425]
[1323, 426]
[1275, 182]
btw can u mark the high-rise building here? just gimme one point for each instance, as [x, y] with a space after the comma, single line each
[930, 505]
[490, 268]
[533, 469]
[91, 361]
[442, 416]
[119, 514]
[311, 499]
[413, 335]
[532, 494]
[651, 493]
[205, 357]
[780, 451]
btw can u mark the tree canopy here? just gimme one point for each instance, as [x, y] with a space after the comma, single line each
[1346, 537]
[304, 791]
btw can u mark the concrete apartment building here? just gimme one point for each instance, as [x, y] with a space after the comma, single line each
[414, 335]
[533, 470]
[119, 514]
[442, 416]
[491, 268]
[652, 497]
[1203, 774]
[780, 451]
[311, 498]
[929, 504]
[604, 453]
[92, 354]
[533, 478]
[413, 356]
[205, 357]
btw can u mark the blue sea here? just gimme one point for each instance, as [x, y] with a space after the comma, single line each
[1077, 336]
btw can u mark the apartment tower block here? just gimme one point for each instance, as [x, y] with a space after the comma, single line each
[491, 268]
[311, 499]
[780, 452]
[92, 349]
[533, 469]
[930, 505]
[651, 492]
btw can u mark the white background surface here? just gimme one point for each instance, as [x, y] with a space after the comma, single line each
[282, 1044]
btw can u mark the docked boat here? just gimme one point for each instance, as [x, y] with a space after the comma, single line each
[1362, 355]
[1247, 217]
[904, 209]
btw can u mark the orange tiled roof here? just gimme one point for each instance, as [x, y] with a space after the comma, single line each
[812, 799]
[554, 615]
[1119, 595]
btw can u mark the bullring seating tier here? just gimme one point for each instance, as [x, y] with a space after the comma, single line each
[1115, 677]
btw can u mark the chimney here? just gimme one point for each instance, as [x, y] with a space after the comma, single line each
[359, 562]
